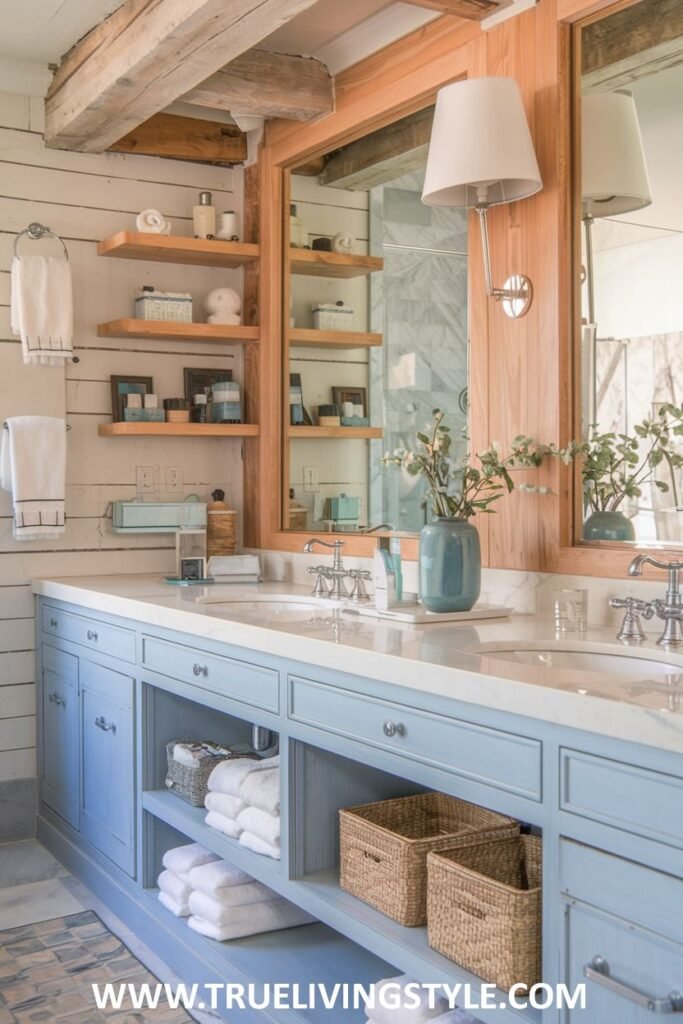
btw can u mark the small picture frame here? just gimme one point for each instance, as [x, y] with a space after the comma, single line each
[198, 381]
[121, 387]
[356, 396]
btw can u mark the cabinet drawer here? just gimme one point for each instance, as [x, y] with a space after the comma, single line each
[250, 684]
[60, 746]
[504, 760]
[92, 633]
[633, 799]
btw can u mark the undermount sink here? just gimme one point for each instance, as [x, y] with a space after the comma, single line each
[282, 605]
[632, 664]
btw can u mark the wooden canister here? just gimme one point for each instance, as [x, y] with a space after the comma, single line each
[221, 531]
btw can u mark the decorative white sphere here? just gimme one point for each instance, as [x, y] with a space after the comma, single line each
[223, 300]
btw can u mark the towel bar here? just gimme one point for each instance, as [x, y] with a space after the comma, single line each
[36, 231]
[7, 428]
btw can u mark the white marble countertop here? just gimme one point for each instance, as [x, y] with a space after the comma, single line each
[635, 701]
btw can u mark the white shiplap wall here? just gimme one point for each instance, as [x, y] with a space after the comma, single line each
[85, 198]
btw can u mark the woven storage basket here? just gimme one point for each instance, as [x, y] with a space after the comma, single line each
[384, 847]
[191, 783]
[484, 909]
[221, 537]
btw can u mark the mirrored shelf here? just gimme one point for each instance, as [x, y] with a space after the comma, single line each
[309, 338]
[339, 433]
[315, 263]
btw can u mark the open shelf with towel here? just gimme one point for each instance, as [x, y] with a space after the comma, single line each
[201, 252]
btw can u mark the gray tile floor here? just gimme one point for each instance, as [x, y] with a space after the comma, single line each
[35, 887]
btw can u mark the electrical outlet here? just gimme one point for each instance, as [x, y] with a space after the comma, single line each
[144, 479]
[174, 479]
[311, 478]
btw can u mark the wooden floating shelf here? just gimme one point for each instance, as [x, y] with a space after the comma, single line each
[200, 252]
[332, 264]
[335, 432]
[168, 330]
[333, 339]
[178, 430]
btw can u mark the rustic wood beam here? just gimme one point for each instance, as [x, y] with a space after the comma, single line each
[146, 55]
[473, 9]
[383, 155]
[185, 138]
[631, 44]
[269, 85]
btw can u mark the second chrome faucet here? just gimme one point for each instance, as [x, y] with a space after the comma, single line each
[670, 610]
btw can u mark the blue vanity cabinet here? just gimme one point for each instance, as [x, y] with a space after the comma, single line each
[107, 812]
[60, 741]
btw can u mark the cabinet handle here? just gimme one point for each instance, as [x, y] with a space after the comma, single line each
[598, 971]
[92, 635]
[200, 670]
[105, 726]
[54, 698]
[394, 729]
[53, 623]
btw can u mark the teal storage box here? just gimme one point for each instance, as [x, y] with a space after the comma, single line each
[157, 516]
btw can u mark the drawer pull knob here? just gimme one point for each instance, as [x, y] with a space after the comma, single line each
[598, 971]
[200, 670]
[105, 726]
[54, 698]
[92, 635]
[53, 623]
[394, 729]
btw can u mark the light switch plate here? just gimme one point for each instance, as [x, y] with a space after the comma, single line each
[311, 479]
[144, 479]
[174, 479]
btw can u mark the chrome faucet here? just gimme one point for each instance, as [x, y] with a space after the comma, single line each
[386, 527]
[330, 581]
[670, 610]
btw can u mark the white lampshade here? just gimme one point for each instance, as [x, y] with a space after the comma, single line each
[613, 173]
[480, 150]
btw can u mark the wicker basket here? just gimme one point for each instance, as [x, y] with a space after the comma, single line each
[484, 909]
[384, 847]
[221, 537]
[191, 783]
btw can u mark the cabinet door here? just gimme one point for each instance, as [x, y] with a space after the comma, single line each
[107, 784]
[60, 747]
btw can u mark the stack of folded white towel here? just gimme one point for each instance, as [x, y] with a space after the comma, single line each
[221, 901]
[438, 1013]
[244, 802]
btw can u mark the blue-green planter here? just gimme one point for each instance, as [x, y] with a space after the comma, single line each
[608, 526]
[450, 565]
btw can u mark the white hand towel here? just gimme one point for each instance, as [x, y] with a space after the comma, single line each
[33, 468]
[213, 878]
[177, 908]
[182, 859]
[225, 825]
[228, 776]
[379, 1013]
[262, 789]
[258, 845]
[42, 308]
[234, 565]
[174, 886]
[152, 222]
[222, 911]
[264, 825]
[223, 803]
[253, 920]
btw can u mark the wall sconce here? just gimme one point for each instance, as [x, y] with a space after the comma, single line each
[481, 155]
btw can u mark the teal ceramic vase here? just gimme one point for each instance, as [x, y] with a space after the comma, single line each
[450, 565]
[608, 526]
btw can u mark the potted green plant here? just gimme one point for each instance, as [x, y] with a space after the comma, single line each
[458, 488]
[616, 467]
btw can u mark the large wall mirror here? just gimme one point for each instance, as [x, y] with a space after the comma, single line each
[375, 330]
[630, 67]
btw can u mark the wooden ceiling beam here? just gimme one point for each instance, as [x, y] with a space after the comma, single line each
[146, 55]
[382, 156]
[185, 138]
[631, 44]
[472, 9]
[268, 85]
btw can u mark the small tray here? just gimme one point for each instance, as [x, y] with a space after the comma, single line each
[421, 616]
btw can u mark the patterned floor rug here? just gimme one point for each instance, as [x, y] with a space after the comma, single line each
[47, 970]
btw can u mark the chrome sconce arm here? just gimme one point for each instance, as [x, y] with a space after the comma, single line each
[517, 293]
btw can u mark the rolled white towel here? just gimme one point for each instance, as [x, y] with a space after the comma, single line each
[258, 845]
[228, 776]
[213, 878]
[227, 826]
[264, 825]
[390, 1014]
[270, 916]
[222, 910]
[152, 222]
[174, 886]
[223, 803]
[262, 789]
[182, 859]
[343, 242]
[180, 909]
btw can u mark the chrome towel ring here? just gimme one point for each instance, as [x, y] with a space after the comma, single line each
[36, 231]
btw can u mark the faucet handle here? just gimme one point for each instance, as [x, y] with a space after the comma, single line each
[631, 629]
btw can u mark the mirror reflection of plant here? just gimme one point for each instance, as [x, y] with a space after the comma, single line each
[456, 488]
[615, 467]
